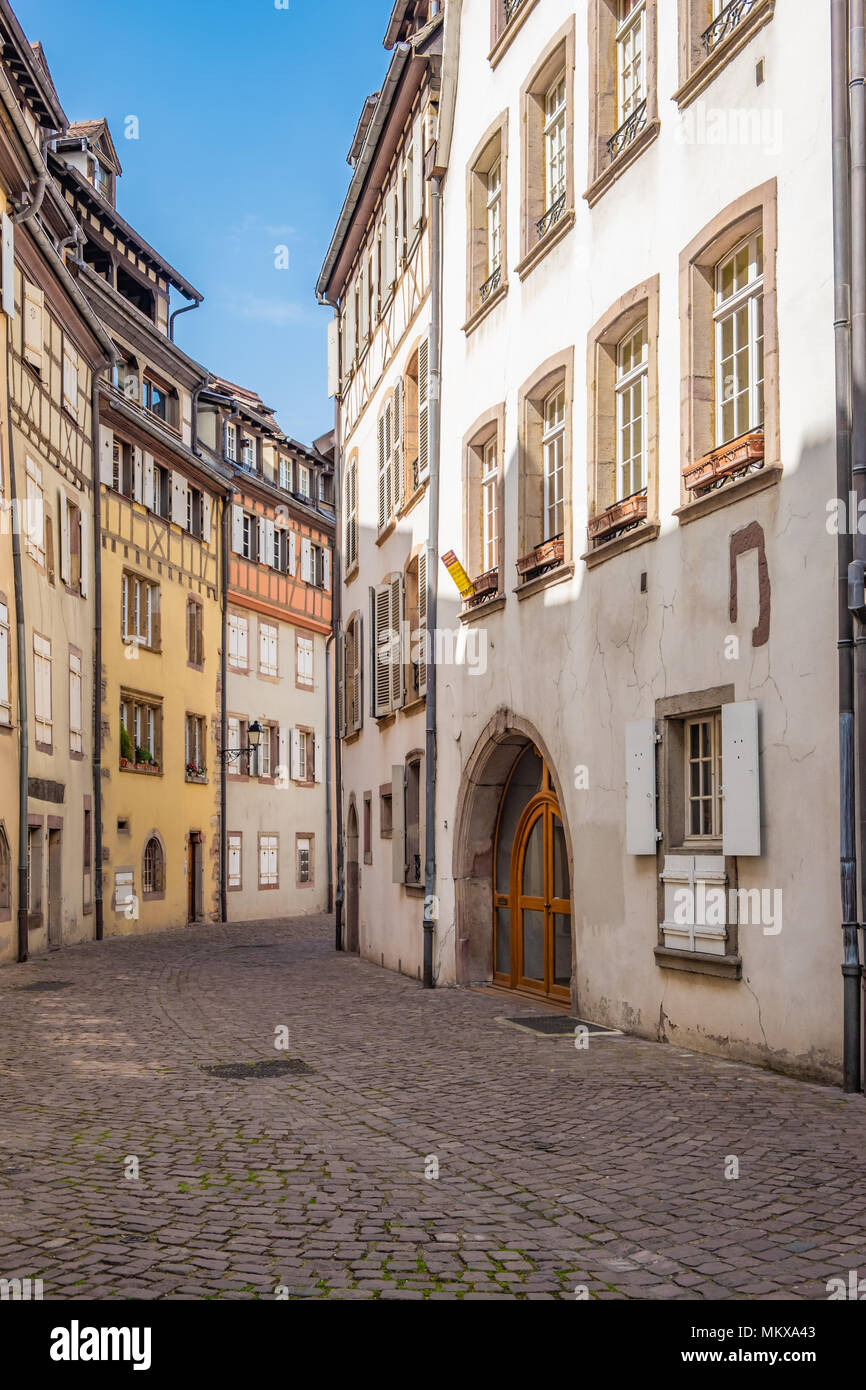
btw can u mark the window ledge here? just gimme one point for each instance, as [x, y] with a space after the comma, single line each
[202, 781]
[648, 531]
[545, 581]
[730, 493]
[414, 497]
[386, 721]
[387, 531]
[480, 314]
[547, 243]
[722, 967]
[415, 890]
[352, 573]
[623, 161]
[481, 610]
[701, 76]
[412, 706]
[509, 33]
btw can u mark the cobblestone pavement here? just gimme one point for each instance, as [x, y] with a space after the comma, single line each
[557, 1168]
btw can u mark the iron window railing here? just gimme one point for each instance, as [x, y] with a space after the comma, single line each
[628, 130]
[725, 22]
[511, 8]
[551, 217]
[490, 285]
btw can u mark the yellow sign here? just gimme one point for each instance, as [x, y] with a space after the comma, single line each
[458, 574]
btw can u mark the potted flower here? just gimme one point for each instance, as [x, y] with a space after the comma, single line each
[126, 749]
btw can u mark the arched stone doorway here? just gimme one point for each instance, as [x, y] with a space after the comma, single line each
[353, 876]
[512, 867]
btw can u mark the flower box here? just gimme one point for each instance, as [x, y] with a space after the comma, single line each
[542, 557]
[721, 463]
[628, 512]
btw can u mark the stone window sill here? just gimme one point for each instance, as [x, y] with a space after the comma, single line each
[412, 706]
[386, 531]
[649, 531]
[623, 161]
[352, 573]
[414, 497]
[547, 243]
[480, 314]
[545, 581]
[722, 967]
[495, 604]
[707, 70]
[730, 493]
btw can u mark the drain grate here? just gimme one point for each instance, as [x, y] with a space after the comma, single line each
[555, 1025]
[251, 1071]
[45, 986]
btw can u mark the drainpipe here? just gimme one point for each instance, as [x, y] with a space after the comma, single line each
[224, 718]
[98, 908]
[329, 788]
[337, 619]
[194, 412]
[857, 571]
[185, 310]
[430, 904]
[851, 968]
[21, 650]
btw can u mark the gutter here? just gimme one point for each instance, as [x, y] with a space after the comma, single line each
[187, 308]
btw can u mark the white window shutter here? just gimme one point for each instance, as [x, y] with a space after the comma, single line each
[106, 457]
[70, 379]
[266, 557]
[640, 787]
[179, 488]
[238, 530]
[206, 512]
[283, 757]
[150, 499]
[380, 474]
[306, 560]
[397, 651]
[341, 684]
[741, 822]
[8, 266]
[34, 307]
[418, 174]
[63, 515]
[398, 469]
[296, 755]
[421, 637]
[382, 647]
[84, 518]
[398, 824]
[333, 358]
[293, 554]
[319, 758]
[349, 331]
[357, 672]
[138, 476]
[326, 571]
[270, 533]
[424, 408]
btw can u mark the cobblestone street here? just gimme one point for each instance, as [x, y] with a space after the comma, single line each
[557, 1167]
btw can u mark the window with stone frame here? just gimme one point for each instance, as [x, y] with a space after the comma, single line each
[153, 869]
[545, 454]
[350, 507]
[623, 95]
[739, 348]
[711, 34]
[547, 163]
[487, 202]
[506, 19]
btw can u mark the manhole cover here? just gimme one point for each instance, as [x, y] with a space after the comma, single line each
[555, 1026]
[249, 1071]
[133, 1237]
[45, 986]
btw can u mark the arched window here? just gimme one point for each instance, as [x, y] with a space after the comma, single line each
[153, 877]
[5, 873]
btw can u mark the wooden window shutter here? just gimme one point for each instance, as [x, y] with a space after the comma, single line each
[357, 673]
[398, 465]
[396, 662]
[418, 174]
[306, 560]
[640, 781]
[342, 692]
[382, 483]
[70, 379]
[34, 312]
[398, 823]
[84, 557]
[382, 638]
[293, 553]
[296, 755]
[179, 488]
[421, 637]
[318, 758]
[741, 824]
[424, 408]
[206, 517]
[151, 501]
[138, 478]
[63, 515]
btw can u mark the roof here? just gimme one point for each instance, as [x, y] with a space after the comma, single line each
[221, 386]
[27, 64]
[94, 132]
[407, 17]
[361, 129]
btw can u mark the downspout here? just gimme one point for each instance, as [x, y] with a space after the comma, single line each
[187, 308]
[431, 912]
[851, 969]
[21, 651]
[337, 634]
[857, 570]
[96, 448]
[224, 704]
[329, 780]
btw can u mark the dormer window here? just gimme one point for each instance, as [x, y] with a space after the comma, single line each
[303, 480]
[247, 452]
[159, 400]
[101, 178]
[285, 475]
[232, 443]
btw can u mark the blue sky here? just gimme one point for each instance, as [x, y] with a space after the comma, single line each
[246, 115]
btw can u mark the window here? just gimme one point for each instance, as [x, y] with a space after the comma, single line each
[544, 452]
[387, 623]
[194, 512]
[42, 706]
[235, 864]
[160, 499]
[5, 668]
[76, 733]
[385, 812]
[304, 654]
[125, 377]
[140, 731]
[70, 380]
[553, 446]
[194, 633]
[159, 400]
[5, 874]
[264, 756]
[305, 859]
[414, 822]
[122, 472]
[139, 612]
[236, 740]
[350, 653]
[285, 475]
[268, 649]
[153, 868]
[304, 756]
[196, 748]
[269, 869]
[411, 446]
[703, 777]
[239, 641]
[482, 491]
[350, 501]
[486, 245]
[232, 443]
[631, 412]
[303, 480]
[247, 452]
[490, 507]
[711, 33]
[34, 526]
[73, 531]
[507, 16]
[739, 320]
[248, 537]
[623, 106]
[547, 163]
[368, 827]
[280, 555]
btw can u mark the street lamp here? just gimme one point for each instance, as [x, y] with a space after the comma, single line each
[254, 739]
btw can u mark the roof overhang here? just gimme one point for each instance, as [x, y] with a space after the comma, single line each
[27, 71]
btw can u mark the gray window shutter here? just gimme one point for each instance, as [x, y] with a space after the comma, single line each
[741, 827]
[398, 823]
[106, 456]
[237, 530]
[341, 685]
[149, 498]
[333, 357]
[138, 475]
[640, 787]
[382, 645]
[357, 673]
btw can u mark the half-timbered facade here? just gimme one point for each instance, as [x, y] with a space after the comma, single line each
[280, 533]
[378, 276]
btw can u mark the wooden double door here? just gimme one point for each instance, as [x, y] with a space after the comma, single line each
[532, 887]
